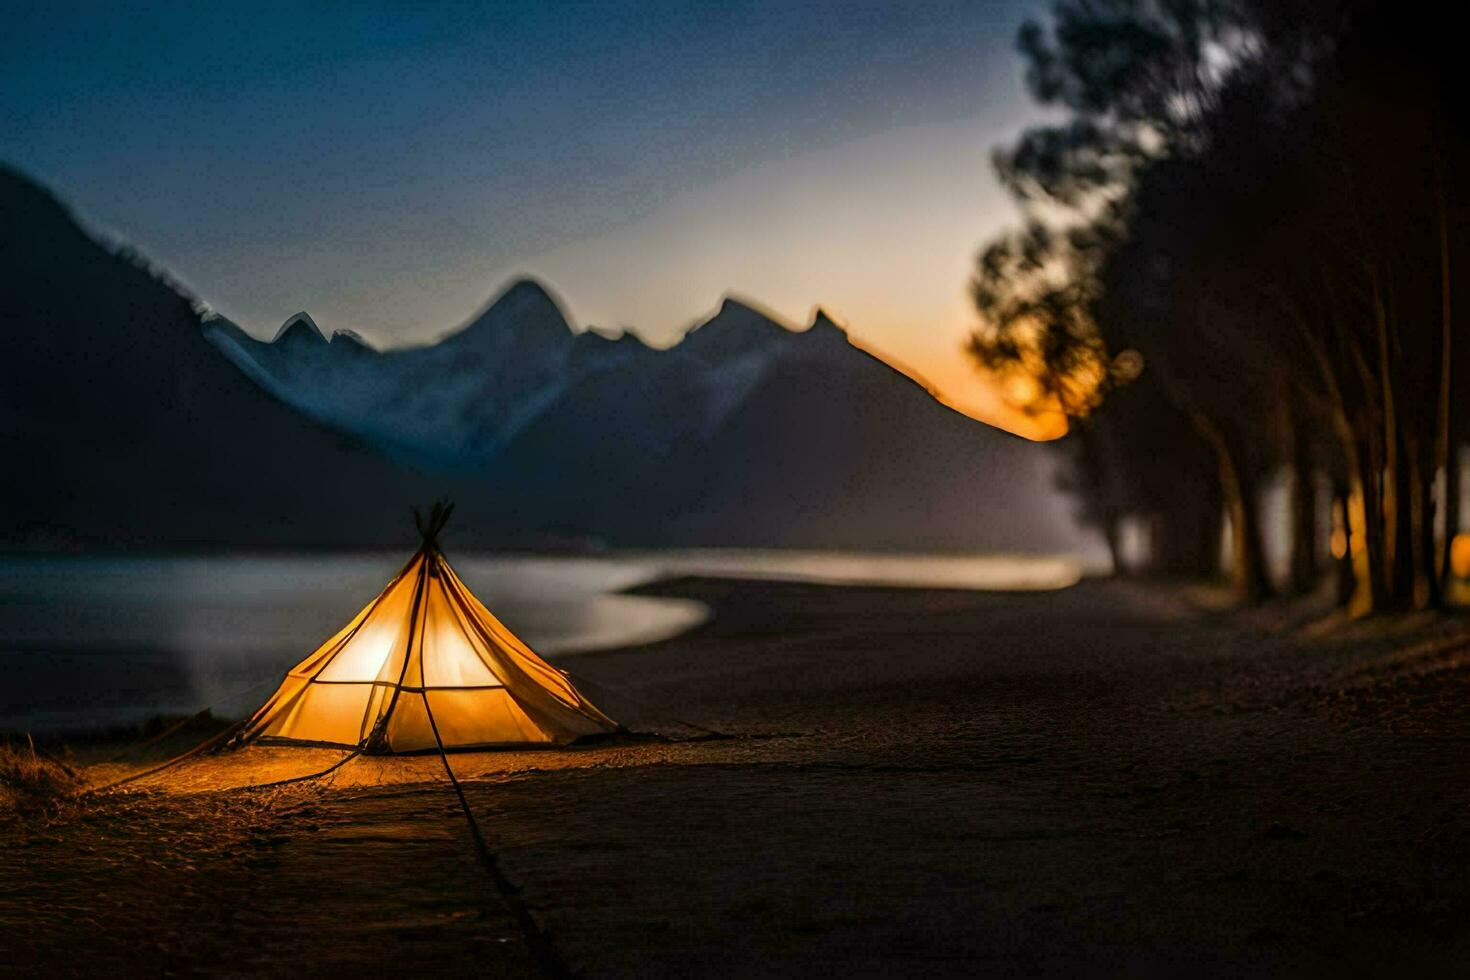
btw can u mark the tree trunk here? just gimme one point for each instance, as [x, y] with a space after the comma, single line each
[1361, 590]
[1451, 516]
[1399, 510]
[1427, 593]
[1238, 490]
[1347, 578]
[1370, 524]
[1447, 446]
[1186, 540]
[1396, 493]
[1207, 529]
[1253, 582]
[1113, 537]
[1396, 561]
[1303, 512]
[1238, 486]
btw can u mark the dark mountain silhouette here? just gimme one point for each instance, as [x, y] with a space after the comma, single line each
[452, 405]
[123, 426]
[132, 426]
[804, 439]
[746, 432]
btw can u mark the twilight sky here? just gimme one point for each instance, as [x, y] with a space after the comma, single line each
[388, 169]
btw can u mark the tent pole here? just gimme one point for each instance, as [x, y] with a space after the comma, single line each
[380, 728]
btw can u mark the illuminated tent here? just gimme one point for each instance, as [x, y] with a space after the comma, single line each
[425, 665]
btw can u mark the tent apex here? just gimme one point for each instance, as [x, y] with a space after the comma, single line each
[438, 516]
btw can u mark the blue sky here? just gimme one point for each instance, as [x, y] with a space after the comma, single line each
[388, 167]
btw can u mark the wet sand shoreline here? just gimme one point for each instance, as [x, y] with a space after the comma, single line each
[1101, 781]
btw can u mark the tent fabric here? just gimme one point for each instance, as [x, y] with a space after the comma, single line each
[425, 664]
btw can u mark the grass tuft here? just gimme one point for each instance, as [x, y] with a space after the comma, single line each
[29, 777]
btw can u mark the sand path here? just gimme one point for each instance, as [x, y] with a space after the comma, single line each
[1094, 782]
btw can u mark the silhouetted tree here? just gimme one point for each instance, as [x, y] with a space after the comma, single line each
[1262, 200]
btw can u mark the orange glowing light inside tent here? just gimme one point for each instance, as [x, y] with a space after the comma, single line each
[425, 665]
[1460, 556]
[1022, 389]
[1339, 543]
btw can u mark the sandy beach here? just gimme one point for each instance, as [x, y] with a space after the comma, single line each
[1099, 781]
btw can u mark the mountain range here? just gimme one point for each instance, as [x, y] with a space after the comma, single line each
[134, 418]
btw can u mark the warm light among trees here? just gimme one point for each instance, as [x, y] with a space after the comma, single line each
[1239, 269]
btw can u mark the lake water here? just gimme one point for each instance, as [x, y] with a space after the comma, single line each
[98, 642]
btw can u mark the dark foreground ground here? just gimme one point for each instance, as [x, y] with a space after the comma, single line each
[1095, 782]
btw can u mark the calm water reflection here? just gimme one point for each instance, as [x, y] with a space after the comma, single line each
[88, 642]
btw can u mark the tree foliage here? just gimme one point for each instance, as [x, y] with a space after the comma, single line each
[1256, 204]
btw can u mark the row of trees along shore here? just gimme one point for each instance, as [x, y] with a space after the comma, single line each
[1242, 253]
